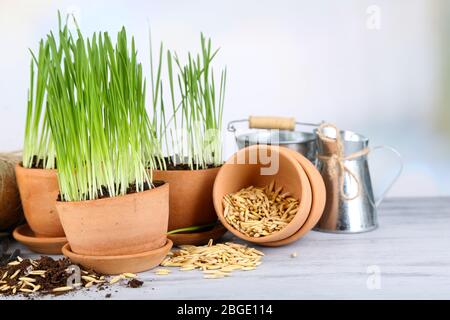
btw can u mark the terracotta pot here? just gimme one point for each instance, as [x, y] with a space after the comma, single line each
[122, 225]
[190, 196]
[318, 201]
[244, 169]
[39, 190]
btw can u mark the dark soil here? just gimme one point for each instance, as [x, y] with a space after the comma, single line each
[56, 276]
[38, 164]
[185, 166]
[130, 190]
[156, 184]
[181, 166]
[135, 283]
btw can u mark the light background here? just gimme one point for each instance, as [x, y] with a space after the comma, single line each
[314, 60]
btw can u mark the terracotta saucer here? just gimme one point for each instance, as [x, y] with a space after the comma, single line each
[120, 264]
[198, 238]
[45, 245]
[318, 201]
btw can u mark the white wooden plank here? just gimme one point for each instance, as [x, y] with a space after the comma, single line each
[411, 248]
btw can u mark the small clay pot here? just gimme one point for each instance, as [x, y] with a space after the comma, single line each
[39, 190]
[122, 225]
[246, 168]
[190, 196]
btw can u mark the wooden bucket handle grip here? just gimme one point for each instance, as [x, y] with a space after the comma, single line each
[281, 123]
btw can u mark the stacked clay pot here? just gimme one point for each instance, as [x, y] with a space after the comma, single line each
[258, 166]
[128, 224]
[113, 235]
[190, 196]
[38, 191]
[191, 205]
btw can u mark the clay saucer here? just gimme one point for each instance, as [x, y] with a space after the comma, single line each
[198, 238]
[120, 264]
[45, 245]
[318, 202]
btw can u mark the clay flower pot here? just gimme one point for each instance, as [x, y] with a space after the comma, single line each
[123, 225]
[190, 196]
[39, 190]
[244, 169]
[318, 200]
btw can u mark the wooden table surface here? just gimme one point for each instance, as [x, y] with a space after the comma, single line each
[408, 257]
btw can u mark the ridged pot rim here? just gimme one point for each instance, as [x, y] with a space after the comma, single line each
[36, 171]
[116, 198]
[276, 236]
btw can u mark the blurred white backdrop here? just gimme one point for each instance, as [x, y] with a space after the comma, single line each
[314, 60]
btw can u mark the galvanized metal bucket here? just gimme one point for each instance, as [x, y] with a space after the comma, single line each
[277, 131]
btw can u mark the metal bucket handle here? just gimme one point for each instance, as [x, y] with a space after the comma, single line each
[280, 123]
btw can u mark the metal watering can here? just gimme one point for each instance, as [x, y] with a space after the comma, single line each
[342, 160]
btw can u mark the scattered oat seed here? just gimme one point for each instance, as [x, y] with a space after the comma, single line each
[129, 275]
[115, 279]
[61, 289]
[217, 260]
[162, 272]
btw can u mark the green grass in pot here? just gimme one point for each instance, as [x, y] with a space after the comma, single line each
[190, 134]
[98, 118]
[191, 137]
[37, 181]
[38, 149]
[104, 144]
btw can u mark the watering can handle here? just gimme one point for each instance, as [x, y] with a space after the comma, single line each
[259, 122]
[397, 175]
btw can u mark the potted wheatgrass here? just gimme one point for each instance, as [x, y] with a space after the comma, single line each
[36, 175]
[191, 140]
[108, 205]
